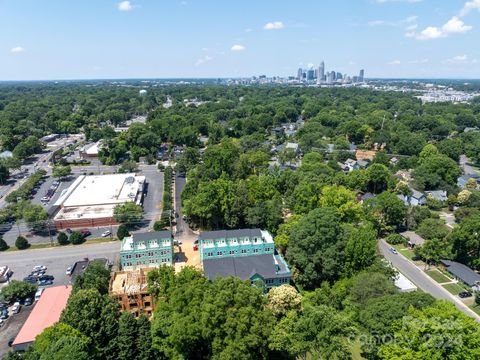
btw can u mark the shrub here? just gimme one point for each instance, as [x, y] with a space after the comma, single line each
[76, 238]
[395, 239]
[122, 232]
[62, 238]
[3, 245]
[21, 243]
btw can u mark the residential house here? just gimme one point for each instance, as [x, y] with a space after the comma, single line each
[463, 273]
[246, 253]
[416, 199]
[463, 180]
[147, 249]
[439, 195]
[6, 154]
[393, 161]
[350, 165]
[365, 154]
[413, 238]
[294, 147]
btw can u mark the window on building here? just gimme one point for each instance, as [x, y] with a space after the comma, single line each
[244, 251]
[255, 250]
[232, 252]
[219, 253]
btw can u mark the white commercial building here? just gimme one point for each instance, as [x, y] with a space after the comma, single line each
[90, 200]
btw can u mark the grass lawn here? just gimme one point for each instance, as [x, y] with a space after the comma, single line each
[49, 245]
[409, 254]
[475, 308]
[454, 289]
[438, 276]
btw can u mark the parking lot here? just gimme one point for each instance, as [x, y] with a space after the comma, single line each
[11, 327]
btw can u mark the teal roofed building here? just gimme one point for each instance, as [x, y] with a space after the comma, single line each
[148, 249]
[246, 253]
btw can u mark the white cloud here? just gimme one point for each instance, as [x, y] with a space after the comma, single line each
[452, 26]
[247, 30]
[470, 5]
[421, 61]
[125, 6]
[402, 22]
[238, 47]
[17, 49]
[203, 60]
[411, 27]
[395, 62]
[460, 59]
[276, 25]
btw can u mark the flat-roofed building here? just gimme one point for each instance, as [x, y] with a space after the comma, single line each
[246, 253]
[46, 313]
[149, 249]
[90, 200]
[130, 289]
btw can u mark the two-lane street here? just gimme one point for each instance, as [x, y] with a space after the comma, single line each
[422, 280]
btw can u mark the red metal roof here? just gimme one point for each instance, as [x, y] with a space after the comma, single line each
[45, 313]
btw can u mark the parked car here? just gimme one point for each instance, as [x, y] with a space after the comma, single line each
[45, 282]
[30, 280]
[195, 247]
[69, 270]
[38, 293]
[85, 232]
[45, 199]
[39, 268]
[68, 230]
[393, 250]
[465, 294]
[46, 277]
[4, 314]
[28, 301]
[16, 307]
[106, 233]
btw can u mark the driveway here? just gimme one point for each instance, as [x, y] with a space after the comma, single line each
[422, 280]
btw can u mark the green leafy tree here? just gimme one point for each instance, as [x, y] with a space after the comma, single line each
[4, 174]
[96, 276]
[62, 171]
[369, 285]
[122, 232]
[433, 229]
[128, 213]
[386, 211]
[76, 238]
[61, 341]
[3, 244]
[17, 289]
[126, 338]
[344, 201]
[282, 299]
[465, 241]
[62, 238]
[433, 250]
[35, 216]
[360, 250]
[378, 178]
[315, 248]
[319, 332]
[459, 339]
[21, 243]
[96, 315]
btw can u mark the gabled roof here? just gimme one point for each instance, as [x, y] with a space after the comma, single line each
[463, 272]
[153, 235]
[417, 194]
[243, 267]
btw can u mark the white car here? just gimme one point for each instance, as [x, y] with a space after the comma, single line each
[106, 233]
[39, 268]
[69, 270]
[16, 308]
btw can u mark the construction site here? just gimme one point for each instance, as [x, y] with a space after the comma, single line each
[130, 288]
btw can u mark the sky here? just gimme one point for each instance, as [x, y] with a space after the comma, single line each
[102, 39]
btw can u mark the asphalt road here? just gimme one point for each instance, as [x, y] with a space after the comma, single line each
[182, 227]
[57, 259]
[422, 280]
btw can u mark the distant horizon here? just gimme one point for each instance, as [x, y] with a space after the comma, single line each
[59, 40]
[227, 78]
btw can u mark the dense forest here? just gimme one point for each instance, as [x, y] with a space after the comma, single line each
[241, 172]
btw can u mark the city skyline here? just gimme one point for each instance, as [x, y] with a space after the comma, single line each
[193, 39]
